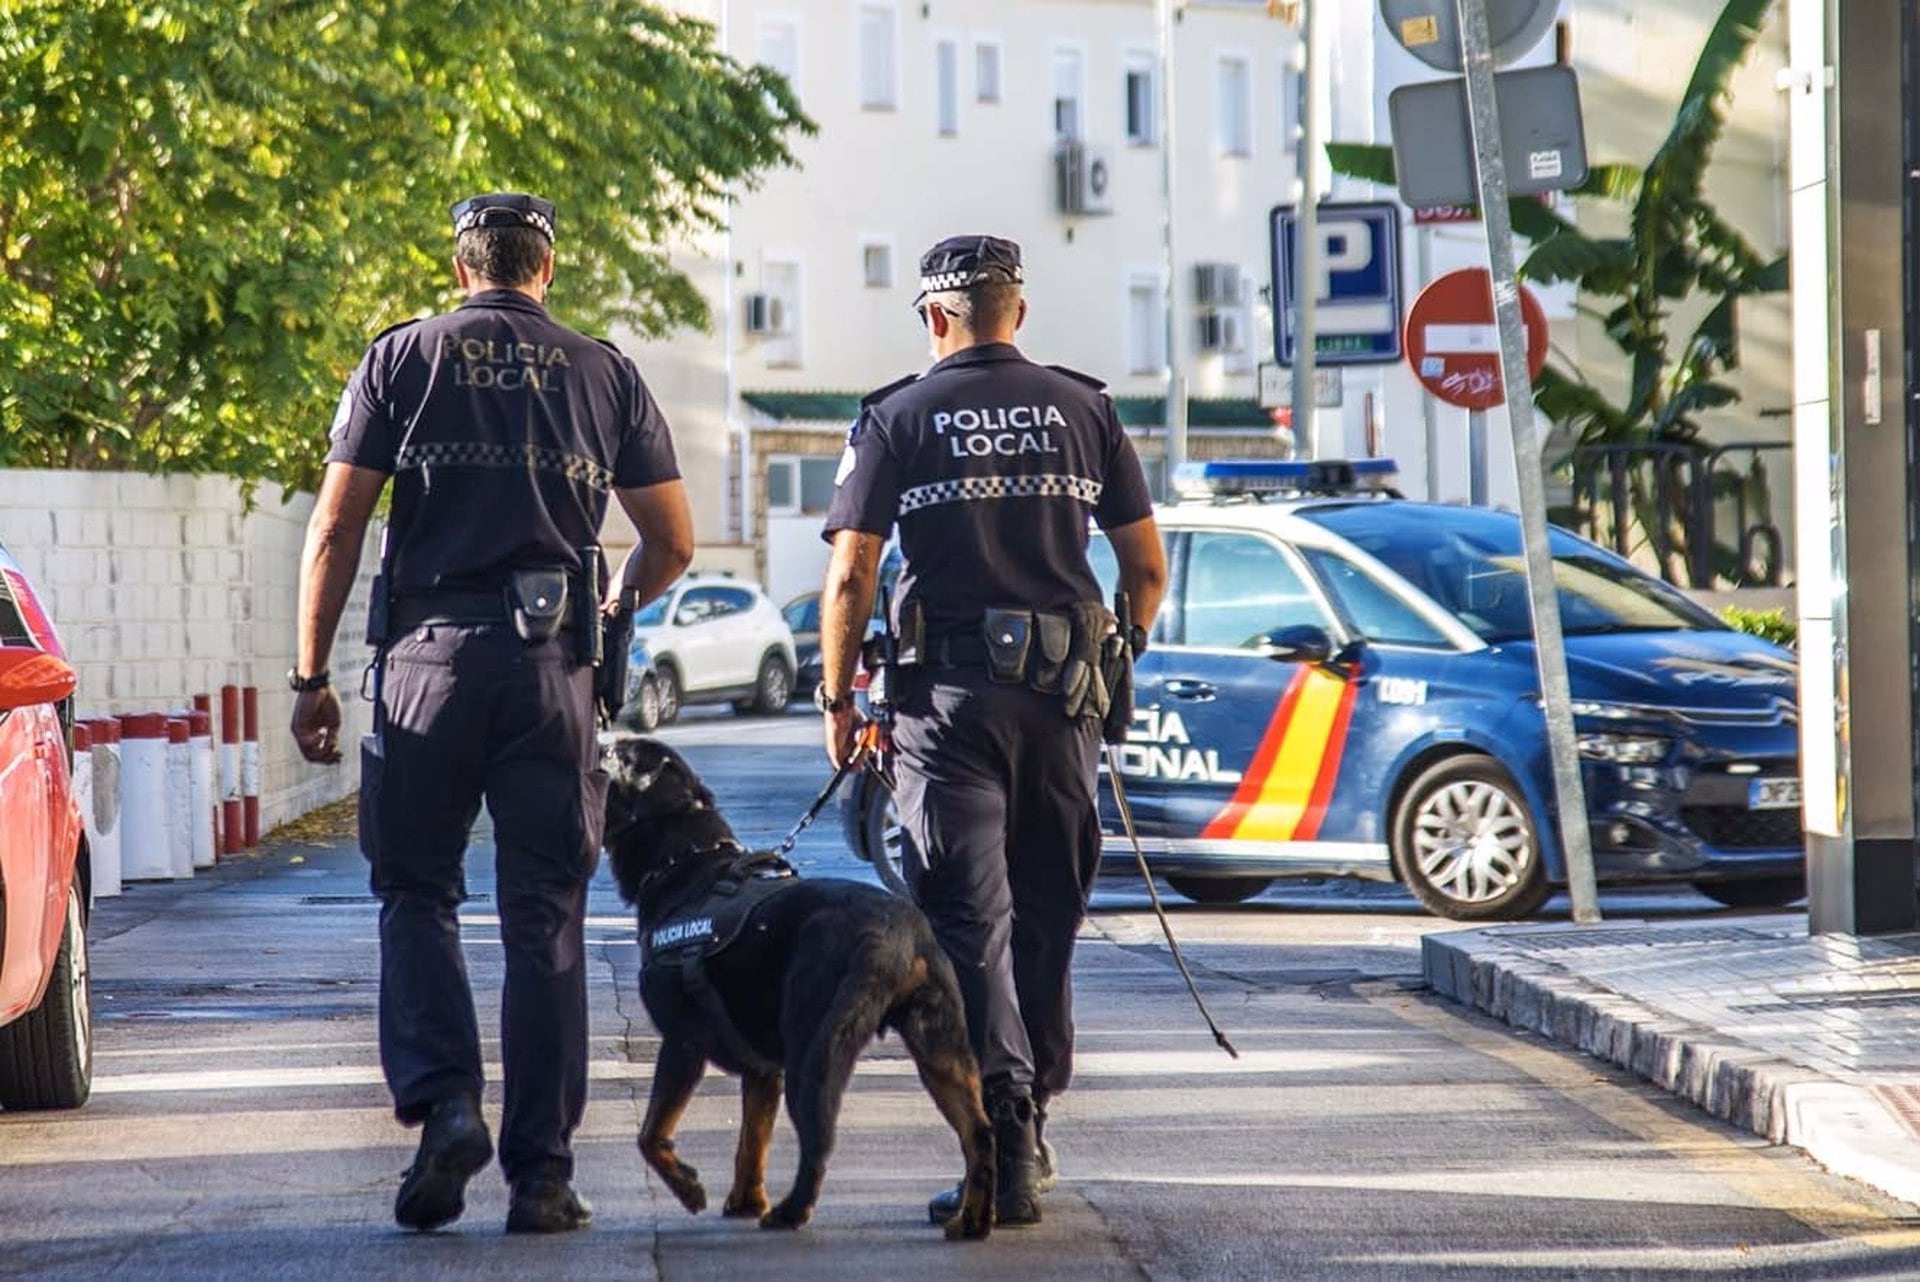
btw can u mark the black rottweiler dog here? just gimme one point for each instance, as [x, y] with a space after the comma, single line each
[773, 977]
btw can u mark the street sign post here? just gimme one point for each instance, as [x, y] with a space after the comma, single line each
[1356, 294]
[1550, 654]
[1275, 384]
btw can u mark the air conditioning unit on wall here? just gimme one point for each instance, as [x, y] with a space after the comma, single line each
[765, 314]
[1083, 179]
[1222, 331]
[1218, 284]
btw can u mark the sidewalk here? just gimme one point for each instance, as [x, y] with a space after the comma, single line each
[1812, 1041]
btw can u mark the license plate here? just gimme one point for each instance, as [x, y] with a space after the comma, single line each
[1773, 794]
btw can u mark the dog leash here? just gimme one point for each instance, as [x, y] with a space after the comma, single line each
[1166, 928]
[847, 767]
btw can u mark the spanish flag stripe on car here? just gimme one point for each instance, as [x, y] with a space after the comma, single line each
[1291, 768]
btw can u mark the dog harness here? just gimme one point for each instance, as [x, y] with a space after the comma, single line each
[697, 932]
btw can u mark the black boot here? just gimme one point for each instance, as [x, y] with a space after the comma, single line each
[453, 1145]
[1016, 1200]
[544, 1202]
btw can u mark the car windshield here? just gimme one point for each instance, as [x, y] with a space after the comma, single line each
[1470, 561]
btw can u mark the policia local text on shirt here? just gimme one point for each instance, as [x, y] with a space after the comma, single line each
[991, 466]
[504, 433]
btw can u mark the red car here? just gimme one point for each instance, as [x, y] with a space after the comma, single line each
[46, 1022]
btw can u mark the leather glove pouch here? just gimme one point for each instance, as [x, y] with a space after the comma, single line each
[1009, 638]
[1116, 670]
[537, 601]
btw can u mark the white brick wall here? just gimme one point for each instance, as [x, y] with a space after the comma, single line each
[167, 587]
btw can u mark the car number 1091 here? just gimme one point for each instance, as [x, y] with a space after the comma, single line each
[1773, 794]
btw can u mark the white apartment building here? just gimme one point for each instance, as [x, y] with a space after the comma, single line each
[939, 117]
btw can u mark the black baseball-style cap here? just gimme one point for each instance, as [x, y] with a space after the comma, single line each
[505, 209]
[961, 262]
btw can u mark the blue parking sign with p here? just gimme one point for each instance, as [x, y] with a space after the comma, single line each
[1356, 297]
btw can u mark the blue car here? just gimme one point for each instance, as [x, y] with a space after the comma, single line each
[1343, 684]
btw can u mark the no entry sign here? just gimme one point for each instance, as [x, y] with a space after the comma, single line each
[1454, 345]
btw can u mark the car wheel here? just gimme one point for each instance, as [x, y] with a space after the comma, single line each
[1219, 890]
[46, 1056]
[667, 689]
[772, 689]
[1465, 845]
[1759, 892]
[646, 705]
[878, 837]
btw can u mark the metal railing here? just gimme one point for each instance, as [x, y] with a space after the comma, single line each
[1701, 516]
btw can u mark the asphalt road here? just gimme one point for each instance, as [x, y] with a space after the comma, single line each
[239, 1128]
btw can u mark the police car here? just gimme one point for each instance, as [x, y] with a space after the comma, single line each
[1341, 683]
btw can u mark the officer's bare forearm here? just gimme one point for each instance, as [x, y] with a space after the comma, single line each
[1143, 568]
[664, 520]
[330, 559]
[846, 603]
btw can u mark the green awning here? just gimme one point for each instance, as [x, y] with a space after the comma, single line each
[1135, 411]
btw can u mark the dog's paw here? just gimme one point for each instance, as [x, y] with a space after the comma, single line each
[745, 1204]
[786, 1216]
[686, 1185]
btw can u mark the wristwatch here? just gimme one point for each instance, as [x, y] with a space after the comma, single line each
[307, 685]
[822, 701]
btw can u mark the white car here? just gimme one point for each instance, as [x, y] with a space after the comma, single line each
[718, 639]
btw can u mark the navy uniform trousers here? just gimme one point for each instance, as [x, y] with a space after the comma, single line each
[473, 713]
[996, 794]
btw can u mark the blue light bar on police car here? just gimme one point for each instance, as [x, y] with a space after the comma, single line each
[1221, 478]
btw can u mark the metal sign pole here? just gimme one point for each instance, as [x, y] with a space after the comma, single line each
[1165, 22]
[1477, 457]
[1476, 47]
[1306, 246]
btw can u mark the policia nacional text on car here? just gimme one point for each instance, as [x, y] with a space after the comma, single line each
[504, 432]
[991, 465]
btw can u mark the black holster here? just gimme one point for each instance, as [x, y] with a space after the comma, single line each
[610, 679]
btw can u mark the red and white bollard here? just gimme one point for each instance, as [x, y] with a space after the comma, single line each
[83, 779]
[103, 818]
[179, 796]
[230, 833]
[143, 798]
[250, 766]
[203, 814]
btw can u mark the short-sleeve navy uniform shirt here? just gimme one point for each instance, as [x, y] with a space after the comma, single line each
[991, 465]
[505, 432]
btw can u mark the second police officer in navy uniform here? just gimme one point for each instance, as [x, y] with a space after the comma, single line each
[505, 433]
[991, 466]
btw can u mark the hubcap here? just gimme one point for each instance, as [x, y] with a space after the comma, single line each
[776, 686]
[1471, 842]
[81, 994]
[669, 695]
[649, 701]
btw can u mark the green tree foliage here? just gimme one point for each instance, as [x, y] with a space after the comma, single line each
[207, 207]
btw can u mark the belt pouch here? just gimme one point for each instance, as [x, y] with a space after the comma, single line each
[1053, 643]
[537, 600]
[1009, 638]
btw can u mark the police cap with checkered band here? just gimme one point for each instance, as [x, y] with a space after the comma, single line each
[961, 262]
[504, 209]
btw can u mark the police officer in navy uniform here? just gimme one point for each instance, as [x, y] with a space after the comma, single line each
[991, 465]
[504, 432]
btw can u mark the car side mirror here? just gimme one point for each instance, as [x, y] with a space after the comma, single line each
[28, 677]
[1301, 643]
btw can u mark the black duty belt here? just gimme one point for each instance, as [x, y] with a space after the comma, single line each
[958, 650]
[470, 609]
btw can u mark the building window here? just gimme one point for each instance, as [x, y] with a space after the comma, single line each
[986, 71]
[780, 282]
[1143, 100]
[1290, 105]
[1146, 325]
[1233, 105]
[946, 87]
[878, 81]
[876, 264]
[800, 485]
[1069, 95]
[780, 48]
